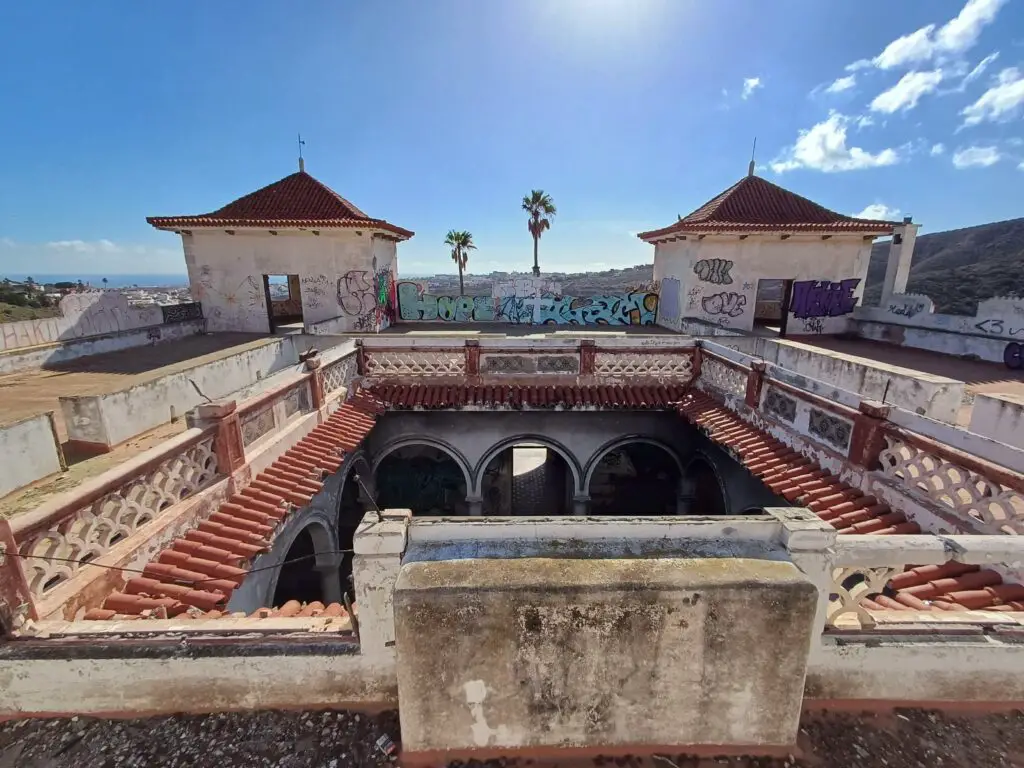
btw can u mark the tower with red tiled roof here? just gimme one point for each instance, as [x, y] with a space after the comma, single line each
[336, 264]
[755, 247]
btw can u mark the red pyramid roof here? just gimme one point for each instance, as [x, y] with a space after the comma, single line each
[298, 200]
[754, 204]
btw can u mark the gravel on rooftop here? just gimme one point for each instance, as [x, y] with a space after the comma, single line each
[907, 738]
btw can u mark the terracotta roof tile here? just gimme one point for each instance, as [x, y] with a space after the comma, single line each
[754, 203]
[297, 200]
[199, 571]
[951, 586]
[447, 396]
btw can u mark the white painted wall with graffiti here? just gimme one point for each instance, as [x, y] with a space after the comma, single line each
[526, 301]
[716, 279]
[92, 313]
[994, 333]
[344, 275]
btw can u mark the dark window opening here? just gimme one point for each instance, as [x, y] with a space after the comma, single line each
[635, 479]
[527, 479]
[299, 579]
[708, 497]
[421, 478]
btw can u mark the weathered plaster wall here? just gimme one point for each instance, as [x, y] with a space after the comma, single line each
[29, 450]
[994, 349]
[1001, 317]
[561, 652]
[999, 416]
[37, 357]
[342, 274]
[714, 278]
[94, 313]
[108, 419]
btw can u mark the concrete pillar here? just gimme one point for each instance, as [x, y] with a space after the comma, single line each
[755, 382]
[686, 495]
[316, 381]
[227, 443]
[476, 505]
[16, 603]
[901, 252]
[868, 438]
[379, 544]
[581, 505]
[809, 539]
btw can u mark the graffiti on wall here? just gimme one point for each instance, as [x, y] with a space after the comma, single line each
[315, 289]
[368, 296]
[1013, 356]
[414, 303]
[823, 298]
[714, 271]
[232, 306]
[725, 304]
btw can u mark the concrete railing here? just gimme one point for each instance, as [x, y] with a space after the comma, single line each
[947, 478]
[863, 565]
[56, 541]
[617, 359]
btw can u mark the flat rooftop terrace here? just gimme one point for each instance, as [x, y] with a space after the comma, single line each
[487, 330]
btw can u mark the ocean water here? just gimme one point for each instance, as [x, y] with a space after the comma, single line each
[113, 280]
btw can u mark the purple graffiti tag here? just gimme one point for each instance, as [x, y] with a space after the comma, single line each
[823, 298]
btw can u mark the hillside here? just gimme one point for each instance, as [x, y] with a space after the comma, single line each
[961, 267]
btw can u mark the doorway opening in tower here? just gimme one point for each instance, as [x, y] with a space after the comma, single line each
[422, 478]
[638, 478]
[527, 478]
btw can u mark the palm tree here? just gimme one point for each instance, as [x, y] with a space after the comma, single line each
[540, 206]
[461, 244]
[104, 283]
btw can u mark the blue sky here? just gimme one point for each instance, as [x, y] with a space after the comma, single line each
[443, 114]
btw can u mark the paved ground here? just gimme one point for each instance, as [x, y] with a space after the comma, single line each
[980, 377]
[900, 739]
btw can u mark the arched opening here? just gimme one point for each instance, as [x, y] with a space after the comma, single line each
[298, 578]
[635, 478]
[527, 478]
[706, 492]
[351, 508]
[422, 478]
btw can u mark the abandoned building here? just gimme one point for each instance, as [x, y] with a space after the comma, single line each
[678, 532]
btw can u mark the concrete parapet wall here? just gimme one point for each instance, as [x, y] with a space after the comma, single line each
[29, 450]
[101, 421]
[61, 352]
[948, 342]
[925, 394]
[1000, 417]
[537, 652]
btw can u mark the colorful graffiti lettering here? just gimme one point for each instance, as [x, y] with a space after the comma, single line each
[727, 304]
[714, 271]
[386, 298]
[823, 298]
[625, 309]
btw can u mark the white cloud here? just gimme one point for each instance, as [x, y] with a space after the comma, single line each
[938, 149]
[863, 121]
[978, 71]
[976, 157]
[1000, 102]
[859, 65]
[823, 148]
[842, 84]
[951, 39]
[878, 211]
[750, 84]
[907, 92]
[84, 246]
[1021, 166]
[6, 242]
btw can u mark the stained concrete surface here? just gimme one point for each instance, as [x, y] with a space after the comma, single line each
[477, 330]
[903, 738]
[979, 376]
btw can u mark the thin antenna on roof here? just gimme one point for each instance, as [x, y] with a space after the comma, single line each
[302, 163]
[750, 168]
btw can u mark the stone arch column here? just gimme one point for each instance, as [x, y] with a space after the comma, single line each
[580, 499]
[620, 442]
[447, 448]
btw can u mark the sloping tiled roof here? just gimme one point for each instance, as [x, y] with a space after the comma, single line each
[199, 571]
[755, 204]
[797, 479]
[298, 200]
[442, 396]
